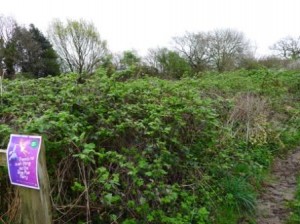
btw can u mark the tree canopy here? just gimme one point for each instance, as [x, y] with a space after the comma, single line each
[25, 50]
[168, 63]
[219, 49]
[78, 44]
[288, 48]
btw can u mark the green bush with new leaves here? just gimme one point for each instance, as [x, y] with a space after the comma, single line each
[149, 150]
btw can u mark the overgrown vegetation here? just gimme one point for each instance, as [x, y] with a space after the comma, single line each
[149, 150]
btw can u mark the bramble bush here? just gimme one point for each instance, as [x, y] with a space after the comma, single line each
[147, 150]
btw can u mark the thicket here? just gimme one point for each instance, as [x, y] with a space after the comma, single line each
[148, 150]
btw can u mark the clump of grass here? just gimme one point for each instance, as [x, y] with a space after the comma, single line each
[238, 201]
[239, 194]
[249, 117]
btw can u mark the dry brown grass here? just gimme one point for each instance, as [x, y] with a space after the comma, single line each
[12, 214]
[249, 117]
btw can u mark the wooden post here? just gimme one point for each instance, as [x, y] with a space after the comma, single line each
[2, 157]
[35, 205]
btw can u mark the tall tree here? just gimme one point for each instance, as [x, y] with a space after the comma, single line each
[227, 48]
[220, 49]
[167, 63]
[48, 58]
[29, 51]
[78, 44]
[26, 51]
[129, 59]
[194, 48]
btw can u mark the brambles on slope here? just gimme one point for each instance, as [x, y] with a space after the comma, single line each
[150, 150]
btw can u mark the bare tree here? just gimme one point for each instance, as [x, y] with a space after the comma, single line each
[220, 49]
[227, 48]
[288, 48]
[116, 61]
[7, 27]
[78, 44]
[194, 48]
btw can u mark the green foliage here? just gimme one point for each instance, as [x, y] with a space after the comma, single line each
[9, 53]
[155, 151]
[238, 193]
[172, 64]
[30, 52]
[129, 59]
[48, 58]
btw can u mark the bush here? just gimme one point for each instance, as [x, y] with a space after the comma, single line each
[153, 151]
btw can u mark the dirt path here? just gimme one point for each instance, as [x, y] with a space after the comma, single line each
[272, 207]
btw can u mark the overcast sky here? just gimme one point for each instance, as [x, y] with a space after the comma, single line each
[144, 24]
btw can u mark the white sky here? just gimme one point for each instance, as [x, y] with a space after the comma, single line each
[144, 24]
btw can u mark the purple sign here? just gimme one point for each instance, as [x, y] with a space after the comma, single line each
[22, 160]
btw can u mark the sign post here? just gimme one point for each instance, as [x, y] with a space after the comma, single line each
[26, 162]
